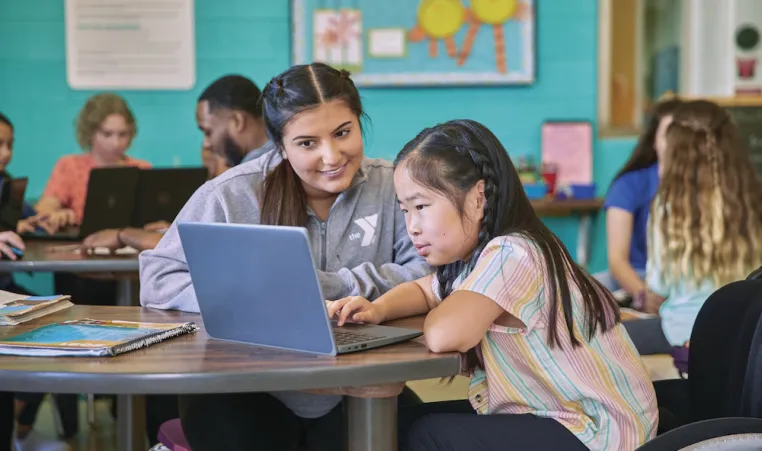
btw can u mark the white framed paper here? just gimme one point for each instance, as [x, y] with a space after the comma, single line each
[130, 44]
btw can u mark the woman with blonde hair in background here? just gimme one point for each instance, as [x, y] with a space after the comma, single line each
[705, 229]
[105, 128]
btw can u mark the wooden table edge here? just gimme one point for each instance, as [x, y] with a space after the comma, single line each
[374, 378]
[566, 207]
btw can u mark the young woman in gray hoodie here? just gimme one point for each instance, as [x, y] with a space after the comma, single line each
[317, 178]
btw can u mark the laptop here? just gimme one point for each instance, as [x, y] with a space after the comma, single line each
[12, 193]
[109, 204]
[162, 193]
[258, 284]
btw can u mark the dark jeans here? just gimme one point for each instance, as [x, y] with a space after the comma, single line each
[647, 336]
[159, 408]
[32, 402]
[454, 426]
[6, 420]
[259, 421]
[26, 417]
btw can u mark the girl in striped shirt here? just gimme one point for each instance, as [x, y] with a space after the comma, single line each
[551, 367]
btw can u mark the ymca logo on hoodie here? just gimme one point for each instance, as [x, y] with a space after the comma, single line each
[368, 226]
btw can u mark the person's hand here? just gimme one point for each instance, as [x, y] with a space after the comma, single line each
[24, 226]
[156, 226]
[108, 238]
[356, 309]
[53, 222]
[652, 302]
[61, 218]
[8, 239]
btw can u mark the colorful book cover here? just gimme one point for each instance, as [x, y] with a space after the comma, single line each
[90, 337]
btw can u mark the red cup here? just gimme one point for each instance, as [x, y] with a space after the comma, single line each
[746, 68]
[549, 177]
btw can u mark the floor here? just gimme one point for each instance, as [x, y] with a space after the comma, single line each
[103, 436]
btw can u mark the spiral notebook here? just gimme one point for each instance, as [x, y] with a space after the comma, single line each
[91, 338]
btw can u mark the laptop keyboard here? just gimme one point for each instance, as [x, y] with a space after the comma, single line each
[344, 338]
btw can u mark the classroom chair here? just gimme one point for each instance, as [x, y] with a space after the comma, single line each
[719, 434]
[720, 349]
[718, 358]
[172, 437]
[752, 390]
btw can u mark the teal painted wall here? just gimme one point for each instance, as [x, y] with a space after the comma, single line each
[234, 36]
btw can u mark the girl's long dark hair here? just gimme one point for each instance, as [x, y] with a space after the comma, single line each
[283, 200]
[644, 154]
[451, 158]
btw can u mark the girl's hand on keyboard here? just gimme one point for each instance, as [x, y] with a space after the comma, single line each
[355, 309]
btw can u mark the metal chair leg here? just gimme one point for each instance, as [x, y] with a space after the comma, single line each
[91, 410]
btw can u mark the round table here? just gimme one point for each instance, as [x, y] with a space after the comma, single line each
[196, 363]
[39, 256]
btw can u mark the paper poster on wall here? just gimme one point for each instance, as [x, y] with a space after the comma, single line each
[130, 44]
[337, 38]
[418, 42]
[569, 145]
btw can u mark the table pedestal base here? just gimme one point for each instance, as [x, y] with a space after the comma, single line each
[372, 424]
[131, 423]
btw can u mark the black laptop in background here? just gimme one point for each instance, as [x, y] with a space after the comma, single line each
[162, 193]
[110, 204]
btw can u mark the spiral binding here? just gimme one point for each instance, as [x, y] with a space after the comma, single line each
[153, 338]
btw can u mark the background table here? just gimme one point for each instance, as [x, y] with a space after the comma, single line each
[196, 363]
[585, 208]
[39, 258]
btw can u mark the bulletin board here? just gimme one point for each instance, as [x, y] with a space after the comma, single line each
[418, 42]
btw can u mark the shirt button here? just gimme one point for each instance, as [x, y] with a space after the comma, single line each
[478, 398]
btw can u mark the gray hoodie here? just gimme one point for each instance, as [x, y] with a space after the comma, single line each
[361, 249]
[257, 153]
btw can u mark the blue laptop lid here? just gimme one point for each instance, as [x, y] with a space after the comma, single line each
[257, 284]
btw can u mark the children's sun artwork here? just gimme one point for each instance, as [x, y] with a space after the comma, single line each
[421, 42]
[338, 38]
[493, 13]
[442, 19]
[439, 19]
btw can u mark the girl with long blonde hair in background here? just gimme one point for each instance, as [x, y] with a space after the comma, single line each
[705, 229]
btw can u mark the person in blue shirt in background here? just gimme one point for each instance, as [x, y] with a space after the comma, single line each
[627, 206]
